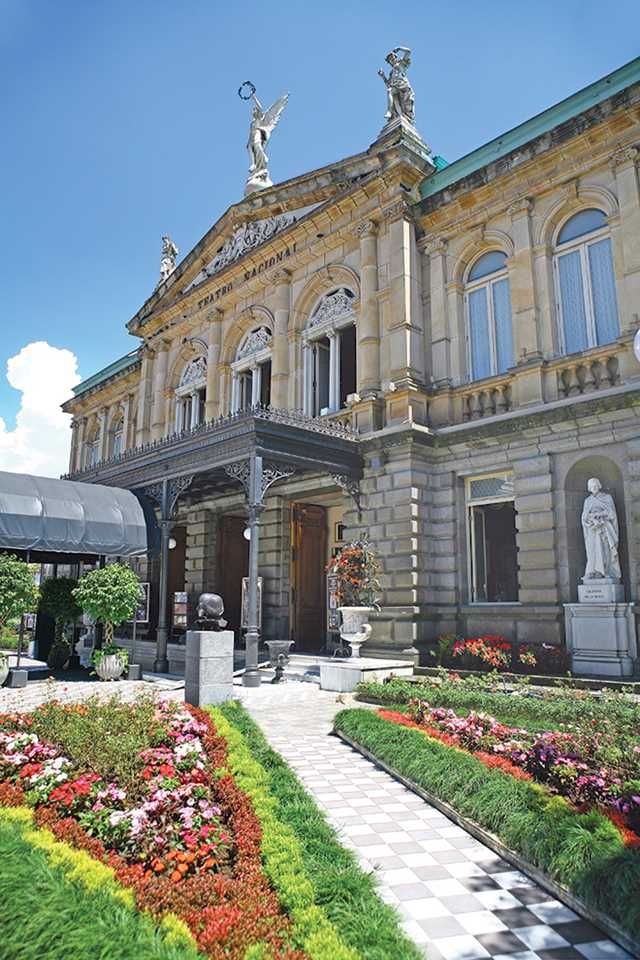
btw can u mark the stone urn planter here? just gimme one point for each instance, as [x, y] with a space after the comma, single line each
[4, 668]
[279, 656]
[111, 666]
[355, 628]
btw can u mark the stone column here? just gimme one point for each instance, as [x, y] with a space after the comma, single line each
[368, 364]
[256, 376]
[307, 380]
[279, 351]
[624, 163]
[126, 421]
[74, 443]
[527, 345]
[78, 463]
[104, 433]
[334, 370]
[436, 249]
[235, 391]
[194, 410]
[159, 387]
[224, 372]
[144, 395]
[212, 406]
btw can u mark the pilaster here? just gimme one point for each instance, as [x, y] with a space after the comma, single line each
[158, 408]
[368, 366]
[624, 163]
[144, 395]
[212, 405]
[279, 346]
[524, 314]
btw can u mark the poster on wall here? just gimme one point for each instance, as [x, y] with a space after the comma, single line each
[142, 610]
[244, 617]
[333, 614]
[180, 609]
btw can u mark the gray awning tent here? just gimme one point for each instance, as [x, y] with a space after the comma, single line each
[46, 516]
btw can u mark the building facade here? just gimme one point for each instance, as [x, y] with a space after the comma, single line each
[472, 321]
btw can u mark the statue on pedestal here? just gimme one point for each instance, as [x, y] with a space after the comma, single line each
[209, 612]
[167, 258]
[400, 95]
[600, 530]
[263, 123]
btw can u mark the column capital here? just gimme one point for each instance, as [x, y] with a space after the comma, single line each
[520, 207]
[214, 315]
[624, 156]
[433, 246]
[399, 209]
[279, 275]
[366, 228]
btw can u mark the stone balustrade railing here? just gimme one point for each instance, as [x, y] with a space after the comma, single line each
[486, 400]
[588, 373]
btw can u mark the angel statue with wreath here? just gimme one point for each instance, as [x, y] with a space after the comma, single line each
[263, 123]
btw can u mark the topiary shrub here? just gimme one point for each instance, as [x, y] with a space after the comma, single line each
[109, 595]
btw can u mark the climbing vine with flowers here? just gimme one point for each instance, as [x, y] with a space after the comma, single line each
[356, 568]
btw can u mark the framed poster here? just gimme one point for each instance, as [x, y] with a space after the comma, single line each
[333, 614]
[142, 611]
[180, 608]
[244, 617]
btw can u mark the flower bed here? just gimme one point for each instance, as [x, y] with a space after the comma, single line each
[495, 652]
[583, 850]
[159, 795]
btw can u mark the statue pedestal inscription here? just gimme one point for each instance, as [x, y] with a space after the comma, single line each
[600, 629]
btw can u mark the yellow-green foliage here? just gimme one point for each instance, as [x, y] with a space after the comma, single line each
[82, 869]
[282, 855]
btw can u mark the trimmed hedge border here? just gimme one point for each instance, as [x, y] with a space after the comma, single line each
[579, 857]
[40, 867]
[293, 825]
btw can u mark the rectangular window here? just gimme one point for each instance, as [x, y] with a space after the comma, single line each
[574, 315]
[245, 381]
[347, 363]
[117, 443]
[479, 334]
[493, 554]
[265, 383]
[321, 376]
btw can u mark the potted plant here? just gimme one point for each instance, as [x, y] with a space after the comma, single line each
[356, 568]
[109, 595]
[18, 595]
[57, 600]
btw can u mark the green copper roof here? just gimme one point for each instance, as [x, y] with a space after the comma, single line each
[116, 367]
[588, 97]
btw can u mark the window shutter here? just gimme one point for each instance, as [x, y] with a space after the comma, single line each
[574, 318]
[603, 291]
[503, 325]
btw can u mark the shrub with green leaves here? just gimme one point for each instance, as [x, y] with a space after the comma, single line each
[58, 601]
[109, 595]
[18, 591]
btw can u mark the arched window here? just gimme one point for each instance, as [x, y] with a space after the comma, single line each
[92, 447]
[251, 371]
[330, 353]
[488, 308]
[117, 445]
[191, 395]
[585, 282]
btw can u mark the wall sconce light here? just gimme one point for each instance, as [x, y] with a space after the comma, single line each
[246, 533]
[172, 543]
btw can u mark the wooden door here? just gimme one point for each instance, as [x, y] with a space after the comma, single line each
[308, 576]
[233, 565]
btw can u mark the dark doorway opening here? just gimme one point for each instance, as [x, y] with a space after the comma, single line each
[308, 576]
[233, 565]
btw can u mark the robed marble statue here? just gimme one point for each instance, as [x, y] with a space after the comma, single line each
[600, 530]
[400, 96]
[167, 258]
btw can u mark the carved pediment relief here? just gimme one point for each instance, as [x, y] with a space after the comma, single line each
[254, 342]
[194, 372]
[332, 307]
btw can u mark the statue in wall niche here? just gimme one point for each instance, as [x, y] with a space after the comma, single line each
[400, 96]
[263, 123]
[209, 612]
[167, 258]
[600, 530]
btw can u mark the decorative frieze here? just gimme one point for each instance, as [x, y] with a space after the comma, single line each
[366, 228]
[624, 155]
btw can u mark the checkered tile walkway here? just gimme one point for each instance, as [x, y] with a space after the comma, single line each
[457, 899]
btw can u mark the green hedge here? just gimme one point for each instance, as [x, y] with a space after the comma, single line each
[47, 913]
[582, 851]
[345, 893]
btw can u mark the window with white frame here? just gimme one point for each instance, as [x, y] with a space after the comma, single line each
[117, 446]
[329, 345]
[92, 451]
[491, 529]
[251, 371]
[191, 395]
[488, 308]
[585, 282]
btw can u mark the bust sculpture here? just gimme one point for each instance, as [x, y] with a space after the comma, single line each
[600, 530]
[209, 612]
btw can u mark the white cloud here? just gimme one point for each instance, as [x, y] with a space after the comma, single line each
[40, 442]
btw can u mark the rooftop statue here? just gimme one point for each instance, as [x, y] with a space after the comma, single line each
[400, 97]
[167, 258]
[263, 123]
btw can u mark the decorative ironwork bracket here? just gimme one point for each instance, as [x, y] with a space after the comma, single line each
[265, 475]
[351, 487]
[166, 493]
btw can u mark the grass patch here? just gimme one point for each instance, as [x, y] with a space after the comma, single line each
[582, 851]
[346, 894]
[60, 904]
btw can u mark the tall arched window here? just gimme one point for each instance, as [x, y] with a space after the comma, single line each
[117, 444]
[330, 353]
[251, 371]
[92, 447]
[488, 308]
[191, 395]
[585, 282]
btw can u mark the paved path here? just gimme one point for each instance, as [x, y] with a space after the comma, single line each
[456, 897]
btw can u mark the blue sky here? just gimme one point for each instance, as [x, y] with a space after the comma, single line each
[121, 121]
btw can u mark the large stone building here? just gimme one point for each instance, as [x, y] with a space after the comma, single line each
[473, 321]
